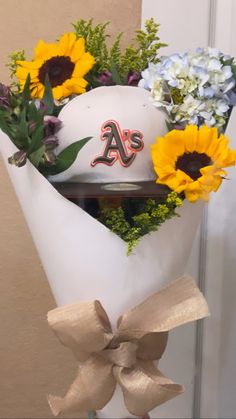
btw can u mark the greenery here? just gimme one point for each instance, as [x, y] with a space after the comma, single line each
[135, 57]
[95, 41]
[23, 119]
[116, 65]
[148, 44]
[132, 220]
[32, 127]
[14, 57]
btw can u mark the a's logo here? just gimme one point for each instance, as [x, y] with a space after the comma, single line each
[120, 145]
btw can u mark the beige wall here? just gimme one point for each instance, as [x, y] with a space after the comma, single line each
[30, 357]
[24, 22]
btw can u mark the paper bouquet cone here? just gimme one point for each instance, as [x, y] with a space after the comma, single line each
[84, 260]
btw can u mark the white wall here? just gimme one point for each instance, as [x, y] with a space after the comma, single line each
[184, 26]
[219, 364]
[184, 23]
[187, 24]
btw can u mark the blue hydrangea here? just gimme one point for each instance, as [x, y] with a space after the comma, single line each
[195, 87]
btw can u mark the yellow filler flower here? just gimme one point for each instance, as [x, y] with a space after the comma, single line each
[65, 63]
[192, 160]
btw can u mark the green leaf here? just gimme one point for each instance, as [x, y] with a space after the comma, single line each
[65, 159]
[169, 125]
[116, 76]
[35, 114]
[48, 99]
[26, 95]
[22, 136]
[23, 127]
[37, 155]
[4, 126]
[233, 68]
[37, 138]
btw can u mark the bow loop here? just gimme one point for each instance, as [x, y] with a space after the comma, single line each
[94, 386]
[174, 305]
[83, 327]
[152, 388]
[126, 356]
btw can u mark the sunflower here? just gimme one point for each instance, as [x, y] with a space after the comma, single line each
[65, 63]
[192, 160]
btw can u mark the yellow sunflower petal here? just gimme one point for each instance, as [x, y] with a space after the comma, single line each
[83, 65]
[193, 192]
[70, 59]
[173, 143]
[190, 138]
[205, 138]
[78, 50]
[30, 65]
[223, 155]
[66, 44]
[79, 85]
[194, 179]
[167, 149]
[37, 90]
[221, 146]
[44, 51]
[216, 182]
[58, 92]
[176, 181]
[160, 157]
[210, 183]
[75, 85]
[214, 145]
[22, 74]
[165, 172]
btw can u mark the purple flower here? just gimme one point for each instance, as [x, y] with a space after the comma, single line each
[133, 78]
[4, 96]
[179, 127]
[49, 157]
[40, 105]
[105, 78]
[18, 159]
[51, 125]
[50, 142]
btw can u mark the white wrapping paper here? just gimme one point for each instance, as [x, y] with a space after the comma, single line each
[83, 260]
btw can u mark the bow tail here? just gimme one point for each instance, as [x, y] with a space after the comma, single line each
[144, 387]
[92, 389]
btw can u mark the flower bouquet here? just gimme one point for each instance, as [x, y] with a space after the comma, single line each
[81, 124]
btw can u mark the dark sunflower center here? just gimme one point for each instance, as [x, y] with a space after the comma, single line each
[191, 163]
[58, 69]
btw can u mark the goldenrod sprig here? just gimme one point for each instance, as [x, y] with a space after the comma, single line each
[147, 216]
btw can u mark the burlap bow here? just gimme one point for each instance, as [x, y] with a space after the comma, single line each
[125, 357]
